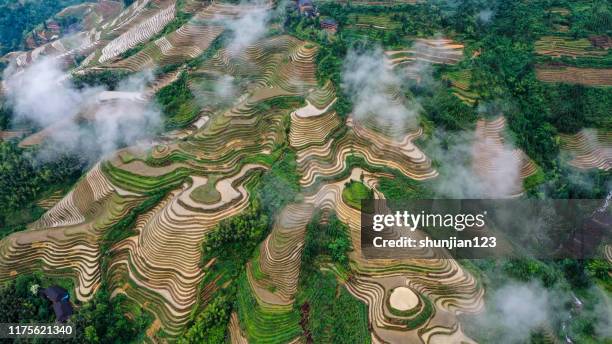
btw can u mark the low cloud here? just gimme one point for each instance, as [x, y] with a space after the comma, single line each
[603, 311]
[248, 27]
[485, 16]
[517, 309]
[494, 108]
[472, 166]
[90, 121]
[224, 87]
[375, 90]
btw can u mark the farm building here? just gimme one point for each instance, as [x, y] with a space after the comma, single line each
[306, 7]
[329, 25]
[61, 302]
[602, 42]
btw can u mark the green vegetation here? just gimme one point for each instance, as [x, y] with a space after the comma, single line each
[281, 184]
[26, 178]
[206, 193]
[397, 187]
[354, 192]
[178, 103]
[180, 19]
[233, 240]
[569, 183]
[595, 18]
[534, 181]
[365, 21]
[143, 184]
[445, 110]
[124, 228]
[264, 325]
[330, 314]
[20, 302]
[17, 17]
[107, 78]
[210, 325]
[6, 114]
[104, 320]
[329, 240]
[499, 67]
[504, 69]
[214, 47]
[574, 107]
[401, 187]
[459, 80]
[132, 51]
[232, 243]
[100, 320]
[566, 278]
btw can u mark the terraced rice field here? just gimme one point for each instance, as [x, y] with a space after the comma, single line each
[589, 149]
[496, 163]
[161, 263]
[434, 50]
[556, 46]
[138, 34]
[188, 42]
[366, 21]
[375, 279]
[101, 24]
[49, 202]
[425, 51]
[574, 75]
[65, 240]
[460, 83]
[206, 174]
[592, 49]
[135, 100]
[12, 134]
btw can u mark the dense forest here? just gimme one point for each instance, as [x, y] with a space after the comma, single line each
[26, 176]
[100, 320]
[19, 17]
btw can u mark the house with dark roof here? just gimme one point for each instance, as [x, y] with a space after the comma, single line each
[306, 7]
[53, 26]
[60, 299]
[602, 41]
[329, 25]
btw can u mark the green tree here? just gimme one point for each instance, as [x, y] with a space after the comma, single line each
[210, 326]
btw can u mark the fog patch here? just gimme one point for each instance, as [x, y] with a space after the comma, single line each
[517, 309]
[224, 87]
[485, 16]
[90, 121]
[248, 27]
[375, 90]
[473, 166]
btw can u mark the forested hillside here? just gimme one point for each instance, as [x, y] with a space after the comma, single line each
[19, 17]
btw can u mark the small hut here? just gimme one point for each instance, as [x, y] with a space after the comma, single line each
[307, 8]
[60, 299]
[329, 25]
